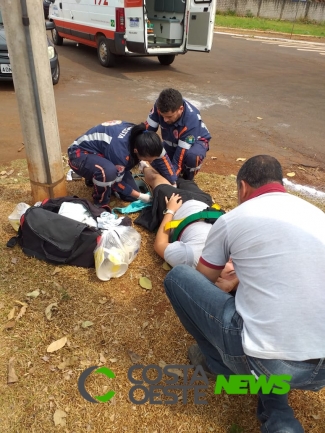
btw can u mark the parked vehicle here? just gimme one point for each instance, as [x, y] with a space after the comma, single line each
[46, 7]
[5, 67]
[162, 28]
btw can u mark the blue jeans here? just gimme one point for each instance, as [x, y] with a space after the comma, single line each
[210, 316]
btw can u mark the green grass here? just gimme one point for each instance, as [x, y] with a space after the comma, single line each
[249, 23]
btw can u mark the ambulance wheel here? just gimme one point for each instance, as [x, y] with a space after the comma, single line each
[105, 57]
[56, 38]
[166, 60]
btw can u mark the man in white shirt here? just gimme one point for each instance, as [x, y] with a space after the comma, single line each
[275, 324]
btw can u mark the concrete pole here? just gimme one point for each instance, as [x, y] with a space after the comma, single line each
[27, 45]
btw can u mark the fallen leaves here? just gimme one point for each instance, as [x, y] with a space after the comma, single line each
[102, 358]
[9, 325]
[57, 345]
[292, 174]
[56, 271]
[86, 324]
[135, 358]
[20, 303]
[12, 313]
[177, 371]
[21, 312]
[259, 118]
[59, 417]
[103, 301]
[46, 358]
[68, 362]
[12, 377]
[166, 266]
[33, 294]
[145, 283]
[241, 159]
[49, 309]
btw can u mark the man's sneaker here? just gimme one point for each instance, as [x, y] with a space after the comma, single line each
[142, 165]
[196, 358]
[89, 182]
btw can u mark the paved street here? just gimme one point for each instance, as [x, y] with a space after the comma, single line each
[256, 96]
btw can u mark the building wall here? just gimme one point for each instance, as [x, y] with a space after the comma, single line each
[275, 9]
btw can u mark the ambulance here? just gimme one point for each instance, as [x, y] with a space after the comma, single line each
[161, 28]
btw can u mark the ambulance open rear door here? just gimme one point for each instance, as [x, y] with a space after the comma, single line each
[200, 24]
[135, 27]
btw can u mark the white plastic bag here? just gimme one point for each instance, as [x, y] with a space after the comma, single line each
[130, 239]
[14, 217]
[117, 248]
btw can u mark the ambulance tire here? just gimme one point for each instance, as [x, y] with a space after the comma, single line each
[166, 60]
[56, 38]
[105, 57]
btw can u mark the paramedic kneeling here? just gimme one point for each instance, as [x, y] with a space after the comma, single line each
[275, 325]
[105, 154]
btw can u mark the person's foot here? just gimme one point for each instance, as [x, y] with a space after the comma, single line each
[142, 165]
[196, 358]
[89, 182]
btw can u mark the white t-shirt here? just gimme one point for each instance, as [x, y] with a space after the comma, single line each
[187, 250]
[277, 244]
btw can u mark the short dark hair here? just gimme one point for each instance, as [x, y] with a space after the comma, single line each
[169, 100]
[260, 170]
[147, 143]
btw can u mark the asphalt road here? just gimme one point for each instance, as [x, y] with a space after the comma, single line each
[255, 97]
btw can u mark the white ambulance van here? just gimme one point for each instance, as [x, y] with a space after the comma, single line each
[162, 28]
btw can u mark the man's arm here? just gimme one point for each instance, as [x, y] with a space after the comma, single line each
[164, 167]
[162, 237]
[211, 273]
[152, 122]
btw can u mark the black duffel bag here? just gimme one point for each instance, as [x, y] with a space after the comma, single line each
[46, 235]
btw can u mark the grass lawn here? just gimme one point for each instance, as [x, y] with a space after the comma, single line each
[253, 23]
[124, 317]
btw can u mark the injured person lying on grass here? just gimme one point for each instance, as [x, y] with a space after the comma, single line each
[184, 217]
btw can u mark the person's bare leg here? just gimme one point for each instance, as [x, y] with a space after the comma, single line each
[153, 178]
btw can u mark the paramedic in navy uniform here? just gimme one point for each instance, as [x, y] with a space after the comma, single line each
[105, 154]
[185, 136]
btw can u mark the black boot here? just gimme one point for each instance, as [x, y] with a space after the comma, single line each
[89, 182]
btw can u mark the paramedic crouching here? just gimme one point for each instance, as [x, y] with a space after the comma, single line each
[185, 136]
[105, 154]
[275, 325]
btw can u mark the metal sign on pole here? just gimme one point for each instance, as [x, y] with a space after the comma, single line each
[27, 46]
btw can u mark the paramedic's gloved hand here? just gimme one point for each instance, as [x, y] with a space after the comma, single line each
[142, 165]
[145, 198]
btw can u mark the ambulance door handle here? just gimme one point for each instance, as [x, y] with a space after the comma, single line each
[71, 14]
[60, 4]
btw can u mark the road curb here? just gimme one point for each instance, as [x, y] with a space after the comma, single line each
[272, 38]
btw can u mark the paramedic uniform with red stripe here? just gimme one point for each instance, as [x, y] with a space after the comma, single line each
[186, 141]
[102, 155]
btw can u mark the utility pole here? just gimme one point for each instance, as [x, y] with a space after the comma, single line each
[27, 45]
